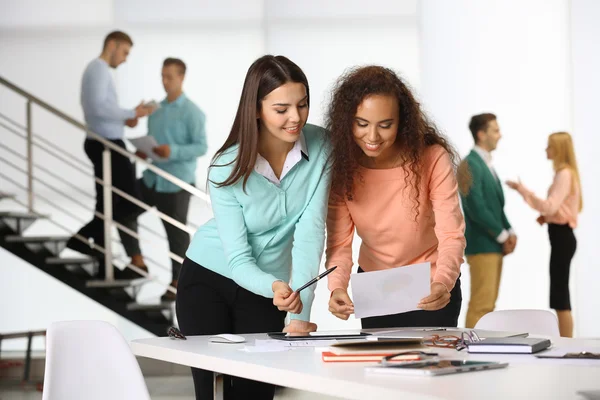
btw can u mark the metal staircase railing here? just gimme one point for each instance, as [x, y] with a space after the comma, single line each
[33, 140]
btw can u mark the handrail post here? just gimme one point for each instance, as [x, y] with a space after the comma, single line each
[29, 158]
[108, 215]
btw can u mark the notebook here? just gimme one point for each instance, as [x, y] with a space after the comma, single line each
[328, 356]
[509, 345]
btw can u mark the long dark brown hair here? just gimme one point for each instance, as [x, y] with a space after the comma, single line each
[264, 75]
[415, 131]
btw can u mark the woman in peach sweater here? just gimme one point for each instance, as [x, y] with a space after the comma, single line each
[559, 211]
[394, 183]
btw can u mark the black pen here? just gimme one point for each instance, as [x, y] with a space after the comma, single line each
[315, 280]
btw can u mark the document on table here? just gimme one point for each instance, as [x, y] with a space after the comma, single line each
[145, 144]
[272, 345]
[391, 291]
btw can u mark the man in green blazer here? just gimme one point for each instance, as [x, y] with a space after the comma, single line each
[488, 232]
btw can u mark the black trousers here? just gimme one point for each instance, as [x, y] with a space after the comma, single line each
[207, 304]
[124, 211]
[563, 244]
[176, 206]
[445, 317]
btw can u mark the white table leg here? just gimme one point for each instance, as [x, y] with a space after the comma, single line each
[218, 386]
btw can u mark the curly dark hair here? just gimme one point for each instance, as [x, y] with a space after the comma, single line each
[415, 131]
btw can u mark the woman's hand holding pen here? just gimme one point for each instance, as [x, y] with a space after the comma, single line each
[285, 298]
[340, 304]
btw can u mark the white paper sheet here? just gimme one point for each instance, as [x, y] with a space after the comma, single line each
[145, 144]
[273, 345]
[294, 343]
[391, 291]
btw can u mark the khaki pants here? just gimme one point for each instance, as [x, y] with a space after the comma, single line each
[485, 269]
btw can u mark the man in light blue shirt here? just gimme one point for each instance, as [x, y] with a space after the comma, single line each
[104, 117]
[178, 127]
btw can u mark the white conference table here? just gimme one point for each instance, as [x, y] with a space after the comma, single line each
[302, 368]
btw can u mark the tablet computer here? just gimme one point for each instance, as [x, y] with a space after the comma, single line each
[434, 367]
[317, 335]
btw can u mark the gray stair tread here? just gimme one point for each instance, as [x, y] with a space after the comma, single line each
[117, 283]
[70, 260]
[165, 306]
[36, 239]
[18, 214]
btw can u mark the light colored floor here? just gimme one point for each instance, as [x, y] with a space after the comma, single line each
[160, 388]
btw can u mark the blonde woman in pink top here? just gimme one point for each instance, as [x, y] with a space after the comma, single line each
[559, 211]
[394, 184]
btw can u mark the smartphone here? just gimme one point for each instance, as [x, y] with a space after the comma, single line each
[434, 367]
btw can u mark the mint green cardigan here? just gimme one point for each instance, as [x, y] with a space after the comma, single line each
[269, 232]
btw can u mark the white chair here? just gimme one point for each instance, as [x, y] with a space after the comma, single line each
[90, 360]
[540, 322]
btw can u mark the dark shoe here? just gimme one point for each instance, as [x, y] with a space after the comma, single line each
[81, 247]
[128, 273]
[168, 296]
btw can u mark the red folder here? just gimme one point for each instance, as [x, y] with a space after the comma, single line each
[362, 357]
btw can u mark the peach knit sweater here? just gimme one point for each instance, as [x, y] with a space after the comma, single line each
[382, 213]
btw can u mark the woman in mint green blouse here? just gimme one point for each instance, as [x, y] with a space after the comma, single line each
[269, 186]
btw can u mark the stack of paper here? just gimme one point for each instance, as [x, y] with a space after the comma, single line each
[373, 350]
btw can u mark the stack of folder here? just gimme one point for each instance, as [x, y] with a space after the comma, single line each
[373, 350]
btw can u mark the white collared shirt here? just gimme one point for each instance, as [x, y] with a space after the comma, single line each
[487, 158]
[294, 156]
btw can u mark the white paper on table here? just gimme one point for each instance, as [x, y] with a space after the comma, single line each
[273, 345]
[265, 349]
[146, 144]
[391, 291]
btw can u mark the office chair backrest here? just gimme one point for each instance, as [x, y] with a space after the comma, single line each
[540, 322]
[90, 360]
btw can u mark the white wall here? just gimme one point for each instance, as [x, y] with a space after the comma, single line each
[463, 57]
[511, 58]
[585, 32]
[218, 42]
[55, 14]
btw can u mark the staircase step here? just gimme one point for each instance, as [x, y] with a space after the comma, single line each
[14, 222]
[117, 283]
[35, 239]
[50, 245]
[70, 260]
[4, 195]
[81, 273]
[164, 306]
[21, 215]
